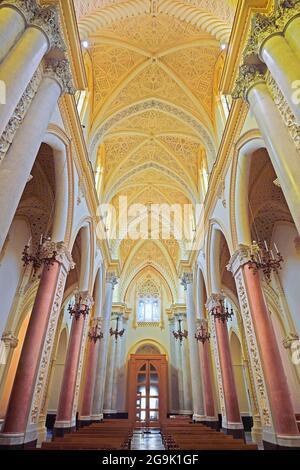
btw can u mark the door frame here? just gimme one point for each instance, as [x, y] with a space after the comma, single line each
[134, 365]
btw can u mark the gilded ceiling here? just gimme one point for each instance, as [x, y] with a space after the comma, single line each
[152, 68]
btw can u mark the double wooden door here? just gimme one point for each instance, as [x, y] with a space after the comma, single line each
[147, 387]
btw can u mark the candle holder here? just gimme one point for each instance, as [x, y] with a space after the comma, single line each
[82, 305]
[38, 259]
[95, 334]
[116, 333]
[262, 258]
[180, 334]
[202, 334]
[221, 312]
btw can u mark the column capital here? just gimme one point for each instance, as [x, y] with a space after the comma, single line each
[59, 252]
[60, 71]
[111, 278]
[249, 76]
[84, 298]
[289, 340]
[10, 340]
[239, 258]
[215, 300]
[187, 278]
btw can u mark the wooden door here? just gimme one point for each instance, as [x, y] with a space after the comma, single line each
[147, 390]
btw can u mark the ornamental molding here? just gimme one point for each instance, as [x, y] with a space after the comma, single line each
[60, 71]
[19, 113]
[60, 252]
[252, 346]
[286, 113]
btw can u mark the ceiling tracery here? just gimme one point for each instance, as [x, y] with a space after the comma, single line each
[154, 69]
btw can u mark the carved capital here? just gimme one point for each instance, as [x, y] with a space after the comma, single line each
[10, 340]
[215, 300]
[249, 75]
[84, 298]
[239, 259]
[186, 279]
[60, 71]
[111, 278]
[26, 7]
[60, 253]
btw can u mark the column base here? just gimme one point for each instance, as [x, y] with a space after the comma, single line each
[84, 421]
[280, 442]
[97, 418]
[212, 422]
[233, 429]
[199, 418]
[63, 427]
[17, 441]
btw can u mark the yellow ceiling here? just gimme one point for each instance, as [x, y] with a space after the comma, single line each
[151, 82]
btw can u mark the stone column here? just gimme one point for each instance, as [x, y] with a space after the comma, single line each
[97, 409]
[292, 35]
[177, 349]
[17, 165]
[28, 390]
[121, 379]
[66, 415]
[18, 67]
[282, 150]
[231, 419]
[277, 413]
[173, 372]
[94, 337]
[12, 25]
[117, 367]
[186, 385]
[197, 393]
[284, 66]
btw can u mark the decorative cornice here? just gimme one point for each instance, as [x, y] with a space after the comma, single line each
[60, 252]
[60, 71]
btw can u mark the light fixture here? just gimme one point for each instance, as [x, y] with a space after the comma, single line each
[223, 46]
[116, 333]
[80, 307]
[37, 259]
[85, 44]
[180, 334]
[202, 334]
[263, 258]
[221, 312]
[95, 333]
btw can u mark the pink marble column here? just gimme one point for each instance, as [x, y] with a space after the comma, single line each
[230, 394]
[89, 383]
[66, 400]
[66, 417]
[23, 387]
[207, 381]
[279, 395]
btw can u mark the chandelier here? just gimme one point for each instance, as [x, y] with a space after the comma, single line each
[116, 333]
[180, 334]
[202, 334]
[262, 258]
[221, 311]
[37, 259]
[95, 334]
[80, 307]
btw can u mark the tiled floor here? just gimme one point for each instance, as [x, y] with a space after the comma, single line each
[147, 440]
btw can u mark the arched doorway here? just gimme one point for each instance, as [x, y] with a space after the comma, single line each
[147, 389]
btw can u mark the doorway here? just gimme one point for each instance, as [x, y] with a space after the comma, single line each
[147, 390]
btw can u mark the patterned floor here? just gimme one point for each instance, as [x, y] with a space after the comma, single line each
[147, 440]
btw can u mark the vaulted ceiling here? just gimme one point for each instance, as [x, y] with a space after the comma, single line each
[152, 68]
